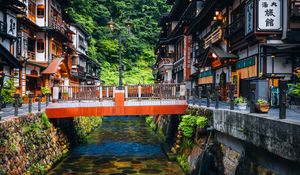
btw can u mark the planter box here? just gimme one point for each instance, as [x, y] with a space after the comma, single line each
[262, 108]
[242, 106]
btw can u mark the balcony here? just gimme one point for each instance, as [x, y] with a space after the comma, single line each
[78, 71]
[235, 27]
[165, 62]
[214, 37]
[295, 9]
[59, 26]
[3, 27]
[31, 55]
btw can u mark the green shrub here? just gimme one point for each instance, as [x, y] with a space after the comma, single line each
[187, 125]
[7, 91]
[45, 120]
[240, 100]
[45, 90]
[295, 89]
[182, 160]
[202, 122]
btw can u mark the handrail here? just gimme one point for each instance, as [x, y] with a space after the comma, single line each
[102, 92]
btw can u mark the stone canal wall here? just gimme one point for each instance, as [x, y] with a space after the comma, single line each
[231, 143]
[32, 144]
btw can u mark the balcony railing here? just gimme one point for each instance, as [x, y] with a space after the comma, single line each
[215, 36]
[58, 26]
[295, 8]
[31, 55]
[235, 27]
[165, 61]
[2, 27]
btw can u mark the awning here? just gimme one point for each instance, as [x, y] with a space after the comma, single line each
[53, 66]
[221, 53]
[9, 58]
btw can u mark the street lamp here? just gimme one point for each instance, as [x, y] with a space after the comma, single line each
[112, 27]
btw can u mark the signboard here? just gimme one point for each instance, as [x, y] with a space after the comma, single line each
[269, 16]
[11, 25]
[17, 77]
[249, 15]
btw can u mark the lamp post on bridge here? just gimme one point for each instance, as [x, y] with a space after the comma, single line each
[112, 27]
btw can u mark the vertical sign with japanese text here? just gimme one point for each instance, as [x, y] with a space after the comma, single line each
[249, 15]
[269, 16]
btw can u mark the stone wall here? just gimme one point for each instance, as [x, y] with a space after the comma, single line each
[241, 143]
[31, 144]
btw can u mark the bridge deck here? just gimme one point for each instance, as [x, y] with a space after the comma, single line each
[110, 108]
[149, 100]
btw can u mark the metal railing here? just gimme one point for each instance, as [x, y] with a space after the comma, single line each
[211, 98]
[234, 27]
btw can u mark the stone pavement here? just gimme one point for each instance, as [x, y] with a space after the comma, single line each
[9, 111]
[291, 115]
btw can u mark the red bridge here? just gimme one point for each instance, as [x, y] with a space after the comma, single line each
[74, 101]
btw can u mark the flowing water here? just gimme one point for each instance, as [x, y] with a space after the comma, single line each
[121, 146]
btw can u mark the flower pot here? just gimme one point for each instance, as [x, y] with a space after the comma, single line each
[25, 100]
[262, 108]
[242, 106]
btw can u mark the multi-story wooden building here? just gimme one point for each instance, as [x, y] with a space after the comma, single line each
[46, 48]
[83, 67]
[9, 64]
[217, 43]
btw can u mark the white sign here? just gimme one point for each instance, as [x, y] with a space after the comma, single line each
[11, 25]
[269, 15]
[249, 13]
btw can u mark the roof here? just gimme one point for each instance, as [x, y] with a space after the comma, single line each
[221, 53]
[11, 60]
[79, 26]
[53, 66]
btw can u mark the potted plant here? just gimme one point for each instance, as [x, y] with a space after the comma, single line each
[65, 95]
[25, 99]
[45, 90]
[262, 106]
[241, 103]
[294, 93]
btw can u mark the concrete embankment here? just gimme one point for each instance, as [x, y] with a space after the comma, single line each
[209, 141]
[32, 144]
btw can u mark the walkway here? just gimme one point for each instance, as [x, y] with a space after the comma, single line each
[9, 111]
[291, 114]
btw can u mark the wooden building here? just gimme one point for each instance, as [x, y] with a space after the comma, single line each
[218, 43]
[40, 47]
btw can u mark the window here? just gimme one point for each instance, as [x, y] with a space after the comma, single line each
[40, 46]
[40, 11]
[31, 8]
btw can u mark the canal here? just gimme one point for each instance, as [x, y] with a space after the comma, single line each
[122, 145]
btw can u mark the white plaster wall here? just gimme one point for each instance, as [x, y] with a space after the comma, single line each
[40, 21]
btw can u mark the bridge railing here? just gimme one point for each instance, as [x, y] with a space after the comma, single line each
[94, 92]
[152, 91]
[83, 92]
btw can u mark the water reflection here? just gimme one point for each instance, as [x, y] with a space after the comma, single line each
[123, 145]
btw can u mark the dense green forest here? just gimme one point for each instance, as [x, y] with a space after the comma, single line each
[137, 52]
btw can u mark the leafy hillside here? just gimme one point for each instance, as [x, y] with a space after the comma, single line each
[137, 52]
